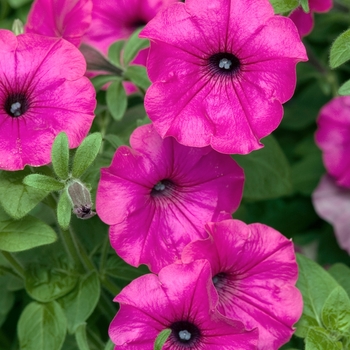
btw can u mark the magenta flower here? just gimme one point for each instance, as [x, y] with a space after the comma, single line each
[158, 195]
[42, 93]
[220, 71]
[332, 203]
[332, 136]
[254, 271]
[305, 21]
[183, 299]
[113, 20]
[69, 19]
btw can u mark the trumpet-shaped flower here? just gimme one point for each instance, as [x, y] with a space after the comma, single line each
[332, 136]
[254, 271]
[69, 19]
[221, 70]
[182, 299]
[305, 21]
[43, 92]
[332, 203]
[158, 195]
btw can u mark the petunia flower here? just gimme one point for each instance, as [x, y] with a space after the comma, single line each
[69, 19]
[220, 70]
[158, 195]
[332, 203]
[254, 271]
[305, 21]
[118, 19]
[42, 93]
[114, 20]
[332, 136]
[183, 299]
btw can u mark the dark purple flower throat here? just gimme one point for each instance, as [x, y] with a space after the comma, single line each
[162, 188]
[224, 63]
[185, 334]
[16, 104]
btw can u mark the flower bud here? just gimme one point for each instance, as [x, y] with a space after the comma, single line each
[17, 27]
[81, 200]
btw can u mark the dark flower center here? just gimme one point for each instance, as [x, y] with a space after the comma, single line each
[185, 333]
[224, 63]
[219, 280]
[162, 188]
[138, 23]
[16, 104]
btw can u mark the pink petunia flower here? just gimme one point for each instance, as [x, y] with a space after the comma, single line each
[158, 195]
[114, 20]
[305, 21]
[42, 93]
[332, 136]
[332, 203]
[69, 19]
[118, 19]
[254, 271]
[220, 70]
[183, 299]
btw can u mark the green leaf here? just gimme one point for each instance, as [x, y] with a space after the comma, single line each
[46, 285]
[116, 100]
[161, 339]
[86, 154]
[43, 182]
[30, 232]
[345, 89]
[138, 75]
[282, 6]
[81, 338]
[60, 155]
[341, 273]
[17, 198]
[336, 311]
[315, 285]
[306, 173]
[114, 140]
[318, 339]
[64, 210]
[7, 300]
[133, 46]
[96, 61]
[109, 345]
[267, 172]
[101, 80]
[42, 327]
[81, 302]
[115, 52]
[17, 3]
[340, 50]
[302, 110]
[305, 5]
[118, 268]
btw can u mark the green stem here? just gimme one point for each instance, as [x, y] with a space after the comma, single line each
[106, 306]
[83, 254]
[104, 254]
[72, 248]
[315, 62]
[109, 285]
[16, 265]
[94, 338]
[9, 271]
